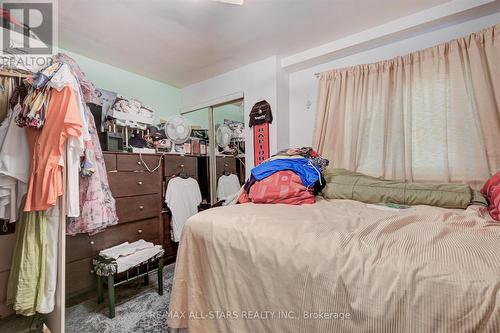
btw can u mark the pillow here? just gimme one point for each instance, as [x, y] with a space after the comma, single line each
[494, 207]
[490, 184]
[344, 184]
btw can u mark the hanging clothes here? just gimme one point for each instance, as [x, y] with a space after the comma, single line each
[52, 221]
[14, 165]
[76, 145]
[97, 205]
[87, 88]
[63, 121]
[7, 184]
[56, 138]
[227, 186]
[5, 92]
[27, 275]
[34, 109]
[183, 197]
[8, 199]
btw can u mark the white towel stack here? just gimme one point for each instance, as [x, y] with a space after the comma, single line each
[128, 255]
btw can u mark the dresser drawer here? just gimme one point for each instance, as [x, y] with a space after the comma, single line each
[132, 162]
[78, 247]
[138, 207]
[79, 277]
[129, 232]
[110, 161]
[173, 165]
[125, 184]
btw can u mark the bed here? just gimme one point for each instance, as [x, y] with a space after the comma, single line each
[337, 266]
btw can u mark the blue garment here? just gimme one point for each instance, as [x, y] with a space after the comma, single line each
[303, 167]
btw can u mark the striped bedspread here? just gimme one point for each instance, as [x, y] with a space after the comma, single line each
[337, 266]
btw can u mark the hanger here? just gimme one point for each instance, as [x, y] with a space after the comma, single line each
[182, 173]
[226, 172]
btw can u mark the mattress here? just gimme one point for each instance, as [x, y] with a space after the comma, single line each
[337, 266]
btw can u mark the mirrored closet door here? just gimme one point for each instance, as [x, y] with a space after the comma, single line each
[229, 127]
[220, 131]
[199, 140]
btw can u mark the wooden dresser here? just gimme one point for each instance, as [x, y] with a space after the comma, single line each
[139, 196]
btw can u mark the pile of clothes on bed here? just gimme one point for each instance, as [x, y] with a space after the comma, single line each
[292, 176]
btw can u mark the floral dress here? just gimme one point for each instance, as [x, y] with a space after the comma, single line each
[97, 205]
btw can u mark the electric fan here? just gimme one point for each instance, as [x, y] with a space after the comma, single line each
[223, 137]
[178, 130]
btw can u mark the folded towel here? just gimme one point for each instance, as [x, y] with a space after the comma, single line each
[126, 249]
[126, 262]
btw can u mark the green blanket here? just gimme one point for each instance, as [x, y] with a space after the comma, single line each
[344, 184]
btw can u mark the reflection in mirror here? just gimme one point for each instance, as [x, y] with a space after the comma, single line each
[199, 142]
[199, 131]
[229, 128]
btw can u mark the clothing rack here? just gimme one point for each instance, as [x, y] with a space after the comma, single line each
[13, 73]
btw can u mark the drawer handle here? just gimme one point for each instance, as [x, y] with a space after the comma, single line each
[91, 242]
[141, 207]
[139, 183]
[139, 231]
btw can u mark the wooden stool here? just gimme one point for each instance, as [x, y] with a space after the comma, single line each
[107, 270]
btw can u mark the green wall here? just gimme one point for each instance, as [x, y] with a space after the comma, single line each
[164, 99]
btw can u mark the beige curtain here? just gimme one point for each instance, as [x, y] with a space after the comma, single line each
[432, 115]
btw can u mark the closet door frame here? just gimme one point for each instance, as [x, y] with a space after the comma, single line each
[212, 158]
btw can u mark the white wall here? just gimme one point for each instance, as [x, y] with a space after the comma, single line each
[304, 85]
[257, 81]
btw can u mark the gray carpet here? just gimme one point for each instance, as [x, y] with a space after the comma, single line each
[139, 309]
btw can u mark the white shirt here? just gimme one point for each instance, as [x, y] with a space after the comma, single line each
[227, 186]
[76, 146]
[183, 197]
[14, 151]
[14, 165]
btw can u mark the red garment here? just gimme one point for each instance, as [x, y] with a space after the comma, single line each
[491, 190]
[494, 206]
[243, 198]
[488, 187]
[281, 187]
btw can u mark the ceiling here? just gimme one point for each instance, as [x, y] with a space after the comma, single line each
[180, 42]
